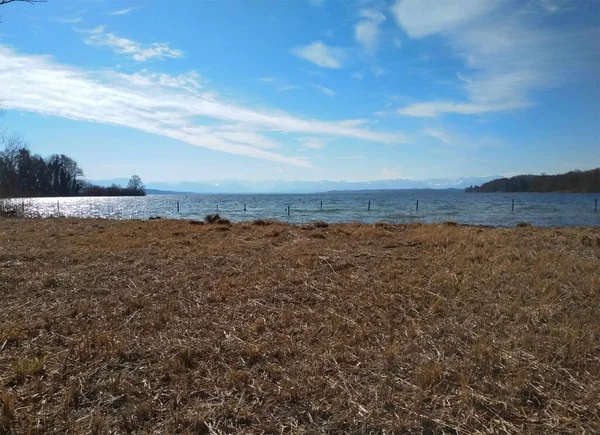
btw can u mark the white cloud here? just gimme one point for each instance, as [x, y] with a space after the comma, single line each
[285, 88]
[507, 57]
[312, 143]
[189, 81]
[457, 139]
[440, 135]
[321, 55]
[324, 90]
[358, 75]
[247, 138]
[378, 71]
[98, 37]
[372, 14]
[280, 85]
[122, 11]
[367, 30]
[67, 20]
[171, 106]
[420, 18]
[435, 108]
[554, 6]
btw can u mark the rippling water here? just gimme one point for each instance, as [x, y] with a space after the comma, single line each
[549, 209]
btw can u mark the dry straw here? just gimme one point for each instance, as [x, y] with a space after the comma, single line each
[173, 327]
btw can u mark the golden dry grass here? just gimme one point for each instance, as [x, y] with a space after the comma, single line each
[170, 327]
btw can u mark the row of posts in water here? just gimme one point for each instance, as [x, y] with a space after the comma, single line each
[289, 208]
[369, 206]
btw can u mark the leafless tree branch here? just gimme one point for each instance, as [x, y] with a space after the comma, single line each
[5, 2]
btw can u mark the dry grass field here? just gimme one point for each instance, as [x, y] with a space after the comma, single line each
[175, 327]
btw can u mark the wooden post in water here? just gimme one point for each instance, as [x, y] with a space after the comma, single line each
[288, 210]
[58, 206]
[322, 204]
[177, 206]
[369, 206]
[417, 205]
[23, 205]
[513, 205]
[596, 204]
[217, 207]
[244, 207]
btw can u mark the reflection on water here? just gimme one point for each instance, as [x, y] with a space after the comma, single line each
[392, 206]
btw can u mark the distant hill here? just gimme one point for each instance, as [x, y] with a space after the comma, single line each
[572, 182]
[278, 186]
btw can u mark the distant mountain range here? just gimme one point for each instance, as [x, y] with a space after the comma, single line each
[276, 186]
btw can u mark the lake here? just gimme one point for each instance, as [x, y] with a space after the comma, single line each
[400, 206]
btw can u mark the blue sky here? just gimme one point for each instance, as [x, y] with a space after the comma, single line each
[305, 89]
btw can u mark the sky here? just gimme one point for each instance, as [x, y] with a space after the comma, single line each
[305, 89]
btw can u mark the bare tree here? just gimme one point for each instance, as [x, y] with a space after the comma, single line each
[136, 184]
[5, 2]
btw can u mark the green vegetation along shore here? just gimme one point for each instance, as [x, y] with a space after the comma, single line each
[571, 182]
[183, 327]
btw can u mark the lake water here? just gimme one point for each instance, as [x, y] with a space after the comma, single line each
[549, 209]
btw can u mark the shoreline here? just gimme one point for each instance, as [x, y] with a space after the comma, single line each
[296, 224]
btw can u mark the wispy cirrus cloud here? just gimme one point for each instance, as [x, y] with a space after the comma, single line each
[324, 90]
[122, 12]
[321, 55]
[279, 85]
[66, 20]
[457, 139]
[440, 135]
[162, 104]
[312, 143]
[137, 51]
[506, 55]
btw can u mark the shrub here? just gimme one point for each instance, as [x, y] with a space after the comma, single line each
[212, 218]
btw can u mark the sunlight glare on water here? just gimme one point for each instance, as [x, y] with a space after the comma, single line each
[548, 209]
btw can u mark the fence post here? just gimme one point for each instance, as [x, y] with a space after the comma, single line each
[369, 206]
[513, 205]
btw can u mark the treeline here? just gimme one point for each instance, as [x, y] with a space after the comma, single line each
[23, 174]
[132, 189]
[571, 182]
